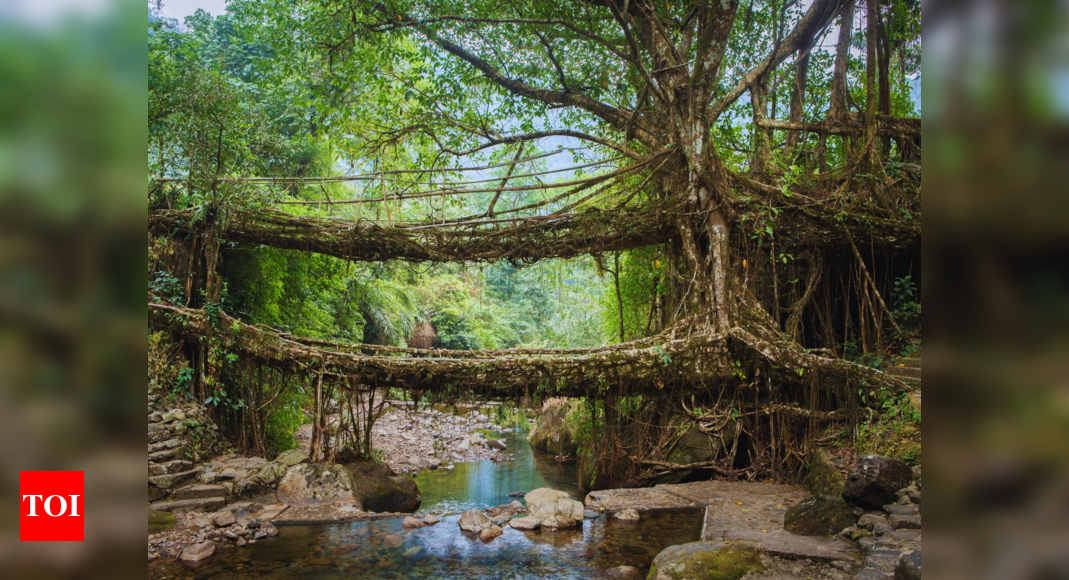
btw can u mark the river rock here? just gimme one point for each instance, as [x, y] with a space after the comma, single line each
[706, 560]
[411, 522]
[496, 444]
[545, 503]
[874, 481]
[291, 458]
[626, 572]
[527, 523]
[501, 519]
[268, 529]
[821, 515]
[490, 533]
[474, 521]
[379, 489]
[430, 520]
[627, 515]
[224, 519]
[307, 485]
[197, 552]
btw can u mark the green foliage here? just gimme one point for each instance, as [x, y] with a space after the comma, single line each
[642, 274]
[285, 418]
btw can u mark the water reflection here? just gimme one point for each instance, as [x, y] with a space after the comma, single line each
[483, 484]
[384, 549]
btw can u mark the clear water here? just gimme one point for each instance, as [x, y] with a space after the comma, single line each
[484, 484]
[383, 549]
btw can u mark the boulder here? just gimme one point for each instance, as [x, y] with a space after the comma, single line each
[489, 533]
[727, 560]
[909, 566]
[474, 521]
[379, 489]
[820, 515]
[197, 552]
[411, 522]
[307, 485]
[545, 504]
[430, 520]
[501, 519]
[526, 523]
[291, 458]
[823, 477]
[269, 475]
[224, 519]
[552, 433]
[627, 515]
[159, 521]
[874, 481]
[496, 444]
[268, 529]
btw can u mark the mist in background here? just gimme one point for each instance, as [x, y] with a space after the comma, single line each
[72, 276]
[996, 259]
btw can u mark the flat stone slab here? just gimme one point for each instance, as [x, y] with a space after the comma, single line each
[755, 511]
[787, 545]
[270, 513]
[199, 490]
[208, 504]
[646, 499]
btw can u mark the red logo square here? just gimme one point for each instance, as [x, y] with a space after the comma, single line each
[51, 506]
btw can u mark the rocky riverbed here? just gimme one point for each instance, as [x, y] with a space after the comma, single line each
[412, 439]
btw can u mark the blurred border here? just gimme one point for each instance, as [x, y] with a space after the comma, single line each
[996, 130]
[72, 284]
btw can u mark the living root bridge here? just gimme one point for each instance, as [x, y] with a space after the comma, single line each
[688, 362]
[525, 240]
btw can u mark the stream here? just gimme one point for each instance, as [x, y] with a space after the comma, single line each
[384, 549]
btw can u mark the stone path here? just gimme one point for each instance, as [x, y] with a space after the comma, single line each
[733, 511]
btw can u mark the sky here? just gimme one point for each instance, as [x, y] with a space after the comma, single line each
[181, 8]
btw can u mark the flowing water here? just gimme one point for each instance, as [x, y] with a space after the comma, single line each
[383, 549]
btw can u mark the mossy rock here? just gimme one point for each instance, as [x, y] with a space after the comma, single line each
[821, 515]
[553, 433]
[823, 477]
[707, 561]
[159, 521]
[380, 490]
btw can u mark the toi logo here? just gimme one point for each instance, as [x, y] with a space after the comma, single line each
[51, 506]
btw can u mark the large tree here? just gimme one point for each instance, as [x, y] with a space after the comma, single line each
[657, 83]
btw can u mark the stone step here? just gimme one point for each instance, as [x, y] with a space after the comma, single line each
[912, 381]
[175, 466]
[904, 371]
[207, 504]
[168, 444]
[172, 480]
[910, 362]
[163, 455]
[199, 491]
[158, 436]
